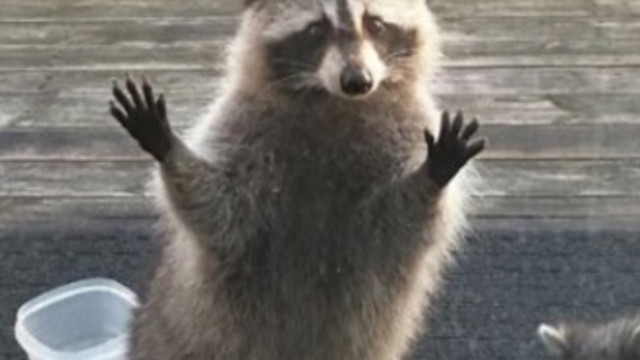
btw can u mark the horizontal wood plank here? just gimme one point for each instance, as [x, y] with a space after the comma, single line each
[476, 41]
[506, 142]
[597, 208]
[210, 58]
[65, 209]
[72, 179]
[55, 109]
[141, 33]
[540, 81]
[210, 55]
[559, 178]
[156, 56]
[526, 8]
[501, 178]
[61, 84]
[460, 81]
[61, 209]
[127, 9]
[95, 9]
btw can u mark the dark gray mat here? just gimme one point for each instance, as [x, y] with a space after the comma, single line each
[505, 283]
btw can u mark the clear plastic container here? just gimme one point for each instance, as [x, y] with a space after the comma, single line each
[84, 320]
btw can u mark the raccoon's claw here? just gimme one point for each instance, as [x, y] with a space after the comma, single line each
[453, 148]
[144, 117]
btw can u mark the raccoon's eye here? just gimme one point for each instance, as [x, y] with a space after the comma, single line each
[316, 29]
[375, 25]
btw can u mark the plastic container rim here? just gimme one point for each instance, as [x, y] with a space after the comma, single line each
[37, 349]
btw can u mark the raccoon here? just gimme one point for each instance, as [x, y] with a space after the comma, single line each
[618, 339]
[311, 212]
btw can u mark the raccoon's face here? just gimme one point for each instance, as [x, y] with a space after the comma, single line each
[349, 48]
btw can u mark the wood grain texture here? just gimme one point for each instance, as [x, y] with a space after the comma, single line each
[502, 178]
[71, 209]
[583, 141]
[14, 210]
[555, 83]
[63, 9]
[56, 109]
[513, 189]
[473, 41]
[119, 9]
[498, 81]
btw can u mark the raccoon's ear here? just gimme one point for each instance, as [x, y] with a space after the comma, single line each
[554, 339]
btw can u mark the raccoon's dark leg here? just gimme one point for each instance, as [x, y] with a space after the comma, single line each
[144, 118]
[186, 176]
[453, 149]
[421, 190]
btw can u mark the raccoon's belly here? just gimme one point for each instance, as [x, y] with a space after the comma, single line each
[315, 276]
[337, 292]
[326, 319]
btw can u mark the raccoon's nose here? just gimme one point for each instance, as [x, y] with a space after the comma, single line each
[356, 81]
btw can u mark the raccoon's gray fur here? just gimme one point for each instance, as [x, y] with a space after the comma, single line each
[613, 340]
[302, 226]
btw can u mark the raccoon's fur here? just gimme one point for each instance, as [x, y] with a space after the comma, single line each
[300, 224]
[618, 339]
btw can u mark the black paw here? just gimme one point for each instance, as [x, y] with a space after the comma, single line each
[144, 117]
[453, 149]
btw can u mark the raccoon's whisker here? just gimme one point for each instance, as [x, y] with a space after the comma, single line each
[397, 54]
[302, 92]
[299, 65]
[403, 64]
[289, 80]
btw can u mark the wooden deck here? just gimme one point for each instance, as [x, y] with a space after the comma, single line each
[555, 83]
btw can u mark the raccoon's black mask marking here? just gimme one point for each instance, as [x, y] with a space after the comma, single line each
[391, 41]
[300, 52]
[304, 51]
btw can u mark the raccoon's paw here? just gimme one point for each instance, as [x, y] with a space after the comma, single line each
[144, 117]
[453, 149]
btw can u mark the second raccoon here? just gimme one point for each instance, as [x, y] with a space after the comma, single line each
[617, 339]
